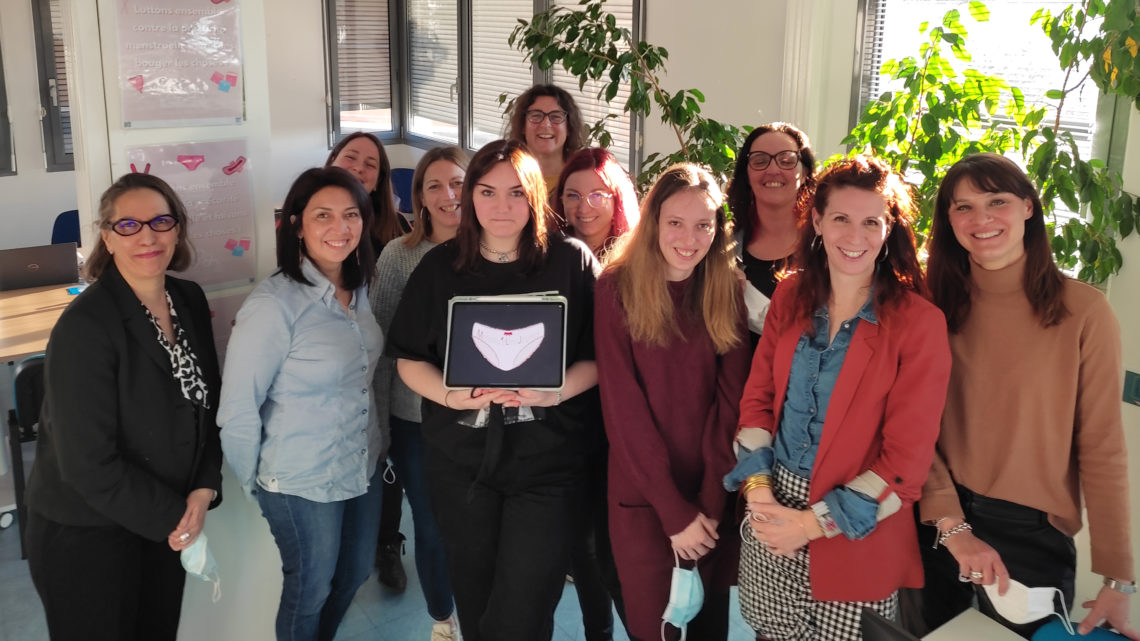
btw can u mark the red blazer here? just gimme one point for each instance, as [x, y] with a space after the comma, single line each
[883, 416]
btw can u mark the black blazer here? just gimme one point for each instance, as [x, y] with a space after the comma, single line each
[118, 443]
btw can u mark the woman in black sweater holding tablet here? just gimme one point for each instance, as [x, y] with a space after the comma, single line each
[504, 466]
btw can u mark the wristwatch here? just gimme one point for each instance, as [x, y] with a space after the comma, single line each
[1120, 586]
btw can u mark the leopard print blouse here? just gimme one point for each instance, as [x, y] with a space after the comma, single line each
[183, 361]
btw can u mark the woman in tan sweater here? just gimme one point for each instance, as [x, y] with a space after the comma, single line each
[1032, 418]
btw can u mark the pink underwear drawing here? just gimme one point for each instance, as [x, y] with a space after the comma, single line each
[191, 162]
[506, 349]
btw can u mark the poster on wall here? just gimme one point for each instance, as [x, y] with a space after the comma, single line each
[180, 63]
[213, 182]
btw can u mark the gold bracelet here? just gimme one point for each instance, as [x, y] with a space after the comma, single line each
[446, 393]
[755, 481]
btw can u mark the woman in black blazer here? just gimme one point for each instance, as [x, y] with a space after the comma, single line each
[128, 459]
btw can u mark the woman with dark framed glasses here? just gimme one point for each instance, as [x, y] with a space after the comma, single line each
[548, 120]
[774, 168]
[128, 459]
[595, 200]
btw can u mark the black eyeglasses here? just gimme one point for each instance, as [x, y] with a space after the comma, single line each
[784, 160]
[595, 199]
[130, 226]
[535, 116]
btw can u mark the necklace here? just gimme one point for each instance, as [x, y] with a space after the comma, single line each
[503, 257]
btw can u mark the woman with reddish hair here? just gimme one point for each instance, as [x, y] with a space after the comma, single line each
[840, 415]
[597, 204]
[595, 200]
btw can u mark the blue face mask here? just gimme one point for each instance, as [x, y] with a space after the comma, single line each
[198, 562]
[686, 596]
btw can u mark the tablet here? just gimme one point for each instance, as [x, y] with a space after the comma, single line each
[509, 342]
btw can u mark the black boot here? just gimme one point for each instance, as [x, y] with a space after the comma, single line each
[390, 567]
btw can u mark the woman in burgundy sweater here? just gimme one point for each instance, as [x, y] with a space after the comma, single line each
[672, 355]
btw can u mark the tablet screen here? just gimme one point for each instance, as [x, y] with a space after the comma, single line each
[509, 342]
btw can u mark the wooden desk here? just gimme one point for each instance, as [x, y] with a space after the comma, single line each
[26, 319]
[972, 625]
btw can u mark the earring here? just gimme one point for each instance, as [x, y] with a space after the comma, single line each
[886, 252]
[817, 242]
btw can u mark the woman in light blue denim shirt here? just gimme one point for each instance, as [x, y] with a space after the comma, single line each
[298, 417]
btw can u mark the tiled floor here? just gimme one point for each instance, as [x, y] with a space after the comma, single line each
[375, 615]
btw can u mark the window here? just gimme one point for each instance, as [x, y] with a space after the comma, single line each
[54, 106]
[450, 75]
[360, 65]
[7, 161]
[1007, 46]
[433, 64]
[594, 109]
[496, 67]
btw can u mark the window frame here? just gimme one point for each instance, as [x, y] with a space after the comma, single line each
[400, 70]
[7, 156]
[51, 122]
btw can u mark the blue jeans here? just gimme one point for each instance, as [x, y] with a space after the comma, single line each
[407, 454]
[327, 551]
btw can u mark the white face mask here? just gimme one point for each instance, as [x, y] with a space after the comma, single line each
[1023, 604]
[198, 562]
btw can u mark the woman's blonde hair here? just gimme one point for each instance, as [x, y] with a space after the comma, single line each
[639, 269]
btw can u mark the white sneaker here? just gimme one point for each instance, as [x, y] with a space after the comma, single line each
[445, 630]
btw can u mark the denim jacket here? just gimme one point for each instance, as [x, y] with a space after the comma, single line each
[815, 368]
[297, 410]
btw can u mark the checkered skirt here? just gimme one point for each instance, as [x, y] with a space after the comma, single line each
[775, 591]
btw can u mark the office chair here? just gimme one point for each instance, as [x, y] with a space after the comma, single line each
[402, 185]
[66, 228]
[28, 393]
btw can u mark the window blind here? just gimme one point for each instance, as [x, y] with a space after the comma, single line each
[363, 65]
[433, 47]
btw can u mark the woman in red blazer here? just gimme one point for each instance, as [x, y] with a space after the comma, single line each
[840, 415]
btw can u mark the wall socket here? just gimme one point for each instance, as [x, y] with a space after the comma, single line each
[1131, 387]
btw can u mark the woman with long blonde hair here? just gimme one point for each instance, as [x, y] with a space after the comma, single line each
[672, 352]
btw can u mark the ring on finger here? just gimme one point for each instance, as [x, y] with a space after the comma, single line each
[184, 537]
[963, 578]
[975, 575]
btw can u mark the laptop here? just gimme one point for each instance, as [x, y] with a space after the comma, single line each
[509, 342]
[38, 266]
[876, 627]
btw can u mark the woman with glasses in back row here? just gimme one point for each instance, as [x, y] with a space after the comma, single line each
[774, 168]
[597, 204]
[548, 120]
[128, 459]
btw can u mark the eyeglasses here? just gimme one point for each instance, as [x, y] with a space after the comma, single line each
[536, 116]
[130, 226]
[784, 160]
[595, 199]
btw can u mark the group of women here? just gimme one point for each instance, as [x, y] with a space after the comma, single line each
[783, 401]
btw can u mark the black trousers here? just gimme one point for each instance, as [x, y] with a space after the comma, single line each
[104, 582]
[592, 559]
[508, 540]
[391, 510]
[1034, 552]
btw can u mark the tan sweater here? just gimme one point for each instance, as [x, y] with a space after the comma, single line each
[1033, 415]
